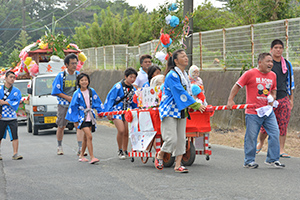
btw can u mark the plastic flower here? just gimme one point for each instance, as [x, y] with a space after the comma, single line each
[74, 45]
[165, 38]
[43, 45]
[82, 57]
[27, 61]
[160, 56]
[174, 21]
[167, 45]
[168, 19]
[173, 7]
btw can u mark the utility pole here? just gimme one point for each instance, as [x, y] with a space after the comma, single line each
[23, 15]
[188, 6]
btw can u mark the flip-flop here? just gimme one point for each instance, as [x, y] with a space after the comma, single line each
[83, 159]
[285, 155]
[94, 161]
[181, 169]
[258, 150]
[159, 163]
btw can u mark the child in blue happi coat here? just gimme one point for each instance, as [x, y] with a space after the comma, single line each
[80, 111]
[120, 97]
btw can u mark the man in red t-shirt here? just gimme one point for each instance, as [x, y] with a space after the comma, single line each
[260, 90]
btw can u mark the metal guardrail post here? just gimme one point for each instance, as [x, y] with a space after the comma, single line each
[104, 60]
[126, 48]
[287, 38]
[96, 57]
[252, 43]
[200, 46]
[114, 57]
[224, 47]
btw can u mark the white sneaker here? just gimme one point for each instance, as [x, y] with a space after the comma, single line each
[252, 165]
[276, 164]
[60, 150]
[121, 155]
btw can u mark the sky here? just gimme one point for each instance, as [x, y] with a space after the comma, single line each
[151, 4]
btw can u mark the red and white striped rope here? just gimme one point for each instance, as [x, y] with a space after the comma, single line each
[209, 109]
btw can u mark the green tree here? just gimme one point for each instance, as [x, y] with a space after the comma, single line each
[125, 39]
[23, 40]
[206, 17]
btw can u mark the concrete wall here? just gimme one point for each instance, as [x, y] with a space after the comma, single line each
[217, 88]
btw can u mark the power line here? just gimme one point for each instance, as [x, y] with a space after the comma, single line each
[8, 14]
[60, 18]
[12, 37]
[41, 18]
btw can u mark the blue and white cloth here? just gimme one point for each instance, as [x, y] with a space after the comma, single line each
[174, 98]
[14, 98]
[77, 108]
[116, 94]
[288, 88]
[57, 88]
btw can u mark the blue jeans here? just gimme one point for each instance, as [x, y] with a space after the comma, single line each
[253, 124]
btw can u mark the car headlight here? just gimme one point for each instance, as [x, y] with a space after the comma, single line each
[39, 108]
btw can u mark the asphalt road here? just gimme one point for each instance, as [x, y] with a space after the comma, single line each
[44, 175]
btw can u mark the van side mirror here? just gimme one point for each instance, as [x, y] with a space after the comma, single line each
[29, 90]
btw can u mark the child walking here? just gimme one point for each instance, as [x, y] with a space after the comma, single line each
[80, 111]
[120, 97]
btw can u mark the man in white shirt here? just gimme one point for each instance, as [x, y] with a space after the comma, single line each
[145, 61]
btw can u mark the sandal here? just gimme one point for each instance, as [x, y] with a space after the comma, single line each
[181, 169]
[159, 163]
[83, 159]
[258, 150]
[94, 161]
[285, 155]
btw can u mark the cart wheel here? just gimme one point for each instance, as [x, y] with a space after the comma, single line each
[144, 159]
[189, 157]
[207, 158]
[168, 160]
[132, 159]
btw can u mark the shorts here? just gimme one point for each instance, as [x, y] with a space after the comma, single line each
[61, 115]
[87, 124]
[10, 126]
[283, 114]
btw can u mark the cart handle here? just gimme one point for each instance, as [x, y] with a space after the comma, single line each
[234, 107]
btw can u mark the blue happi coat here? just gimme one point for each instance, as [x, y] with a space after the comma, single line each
[115, 94]
[14, 98]
[147, 84]
[57, 88]
[76, 108]
[174, 98]
[289, 86]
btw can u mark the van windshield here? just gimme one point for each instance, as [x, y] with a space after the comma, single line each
[43, 86]
[22, 86]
